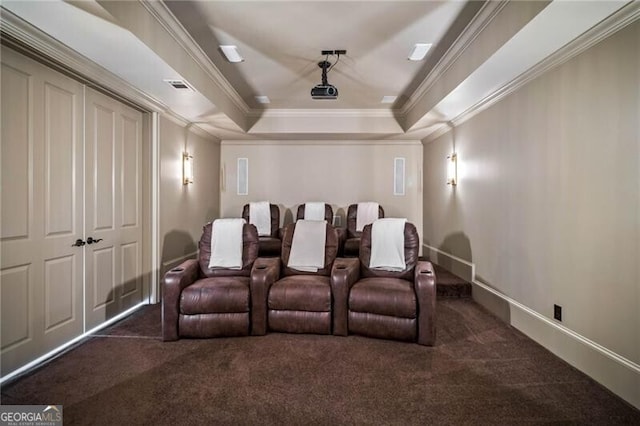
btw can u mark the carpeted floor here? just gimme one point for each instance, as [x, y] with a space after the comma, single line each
[480, 372]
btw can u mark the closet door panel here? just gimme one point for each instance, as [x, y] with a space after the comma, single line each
[131, 208]
[113, 180]
[42, 210]
[102, 261]
[17, 149]
[61, 192]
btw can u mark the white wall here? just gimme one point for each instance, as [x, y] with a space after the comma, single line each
[548, 202]
[184, 209]
[289, 173]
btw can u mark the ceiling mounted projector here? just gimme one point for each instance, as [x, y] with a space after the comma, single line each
[326, 90]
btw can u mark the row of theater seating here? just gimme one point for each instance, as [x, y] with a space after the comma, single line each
[348, 239]
[345, 296]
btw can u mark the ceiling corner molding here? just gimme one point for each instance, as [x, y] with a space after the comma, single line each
[190, 125]
[479, 22]
[49, 50]
[322, 113]
[174, 28]
[617, 21]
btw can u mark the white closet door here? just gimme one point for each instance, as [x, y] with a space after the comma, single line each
[113, 158]
[41, 276]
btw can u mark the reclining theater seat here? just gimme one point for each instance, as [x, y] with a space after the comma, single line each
[352, 242]
[328, 213]
[269, 244]
[203, 302]
[297, 302]
[394, 305]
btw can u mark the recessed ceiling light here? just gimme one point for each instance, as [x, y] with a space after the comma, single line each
[262, 99]
[419, 51]
[388, 99]
[231, 53]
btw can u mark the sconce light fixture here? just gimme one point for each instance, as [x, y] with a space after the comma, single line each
[187, 168]
[452, 169]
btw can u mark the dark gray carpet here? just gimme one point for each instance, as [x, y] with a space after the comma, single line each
[480, 372]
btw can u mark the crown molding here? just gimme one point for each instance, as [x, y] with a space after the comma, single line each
[487, 13]
[323, 113]
[195, 128]
[174, 28]
[612, 24]
[20, 34]
[296, 142]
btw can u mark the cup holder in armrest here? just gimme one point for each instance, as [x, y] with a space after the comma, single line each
[177, 270]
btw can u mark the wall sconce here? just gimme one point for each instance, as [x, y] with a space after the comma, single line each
[187, 168]
[452, 169]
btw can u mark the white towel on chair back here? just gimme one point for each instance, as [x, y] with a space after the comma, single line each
[260, 216]
[387, 245]
[365, 214]
[307, 246]
[226, 243]
[313, 211]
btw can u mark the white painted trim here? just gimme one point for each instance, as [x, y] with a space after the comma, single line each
[466, 270]
[194, 127]
[82, 68]
[232, 142]
[178, 260]
[479, 22]
[155, 290]
[617, 21]
[615, 372]
[36, 362]
[323, 113]
[174, 28]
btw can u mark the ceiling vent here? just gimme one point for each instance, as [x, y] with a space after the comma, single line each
[180, 85]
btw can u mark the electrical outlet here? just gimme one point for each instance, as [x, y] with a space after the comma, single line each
[557, 312]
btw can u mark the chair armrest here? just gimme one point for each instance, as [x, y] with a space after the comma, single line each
[265, 271]
[344, 274]
[175, 280]
[425, 287]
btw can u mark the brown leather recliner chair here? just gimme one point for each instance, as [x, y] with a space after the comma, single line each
[270, 245]
[384, 304]
[351, 246]
[294, 301]
[203, 302]
[328, 213]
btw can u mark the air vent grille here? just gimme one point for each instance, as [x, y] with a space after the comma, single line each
[179, 84]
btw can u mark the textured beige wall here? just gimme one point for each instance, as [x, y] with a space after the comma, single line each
[548, 204]
[184, 209]
[336, 172]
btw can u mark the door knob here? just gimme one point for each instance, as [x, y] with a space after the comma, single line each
[78, 243]
[90, 240]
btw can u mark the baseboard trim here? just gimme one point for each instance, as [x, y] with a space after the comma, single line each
[620, 375]
[51, 354]
[615, 372]
[176, 261]
[460, 267]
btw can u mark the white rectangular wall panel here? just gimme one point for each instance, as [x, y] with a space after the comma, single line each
[243, 176]
[398, 176]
